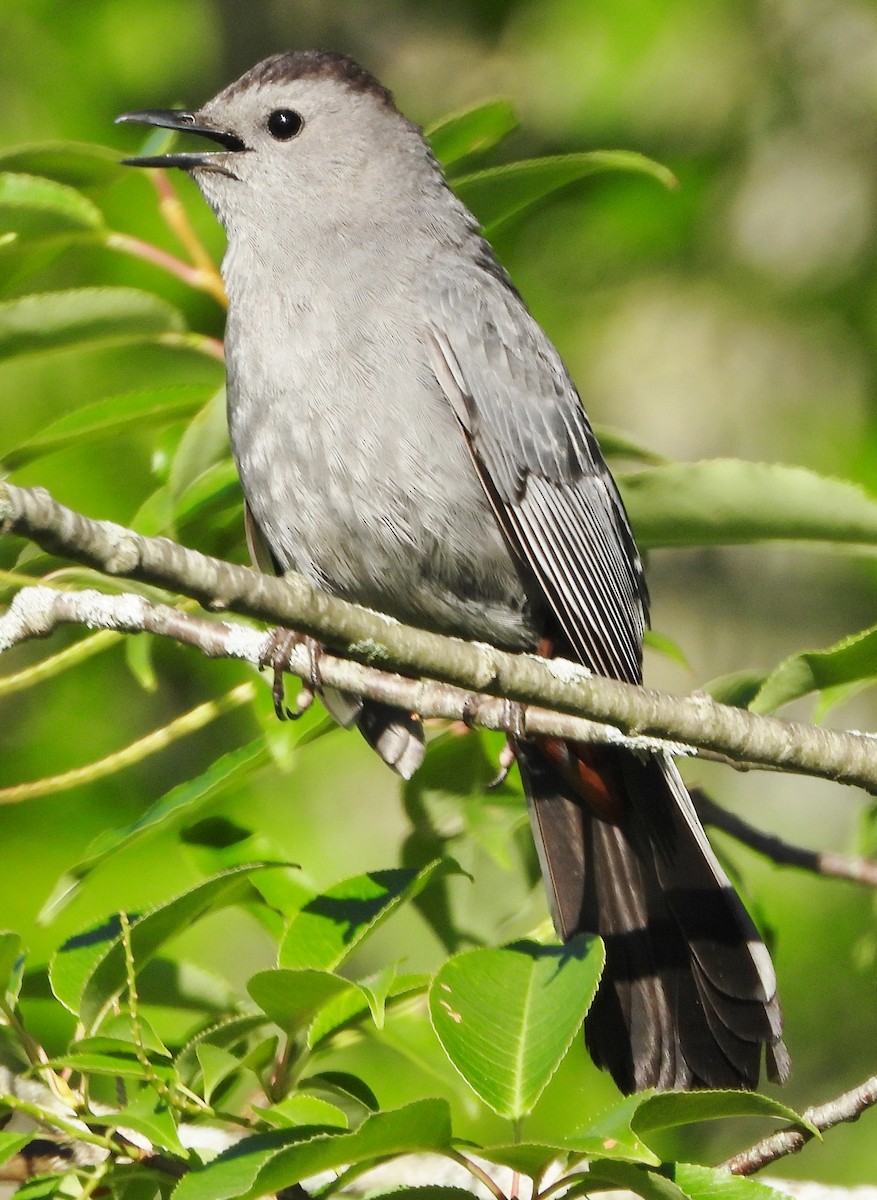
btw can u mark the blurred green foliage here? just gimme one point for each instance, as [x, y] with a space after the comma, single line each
[733, 316]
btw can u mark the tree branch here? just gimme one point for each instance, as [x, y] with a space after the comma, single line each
[784, 854]
[848, 1107]
[371, 639]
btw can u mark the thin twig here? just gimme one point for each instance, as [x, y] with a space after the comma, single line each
[478, 1173]
[190, 722]
[848, 1107]
[820, 862]
[178, 222]
[73, 1129]
[48, 668]
[195, 277]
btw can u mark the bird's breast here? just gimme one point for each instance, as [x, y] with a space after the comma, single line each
[359, 475]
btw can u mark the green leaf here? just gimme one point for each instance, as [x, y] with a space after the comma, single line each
[82, 317]
[849, 661]
[667, 1110]
[177, 805]
[292, 999]
[507, 1017]
[232, 1035]
[615, 443]
[270, 1162]
[433, 1191]
[112, 417]
[710, 1183]
[343, 1087]
[149, 1114]
[605, 1175]
[330, 926]
[303, 1110]
[42, 1187]
[216, 1066]
[500, 193]
[11, 1143]
[725, 501]
[185, 986]
[662, 644]
[88, 972]
[471, 131]
[34, 207]
[77, 164]
[204, 442]
[217, 486]
[528, 1158]
[364, 997]
[612, 1135]
[11, 962]
[125, 1065]
[738, 688]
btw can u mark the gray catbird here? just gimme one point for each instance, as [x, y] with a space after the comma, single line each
[408, 438]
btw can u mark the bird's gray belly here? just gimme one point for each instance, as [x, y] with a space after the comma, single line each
[382, 507]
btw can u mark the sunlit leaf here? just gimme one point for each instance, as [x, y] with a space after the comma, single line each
[364, 998]
[500, 193]
[605, 1175]
[506, 1017]
[150, 1115]
[124, 1064]
[472, 131]
[179, 804]
[112, 417]
[204, 442]
[77, 164]
[89, 971]
[529, 1158]
[738, 689]
[435, 1191]
[851, 660]
[11, 1143]
[711, 1183]
[218, 485]
[612, 1134]
[666, 1110]
[216, 1066]
[330, 926]
[34, 207]
[82, 317]
[723, 501]
[268, 1163]
[303, 1110]
[292, 999]
[233, 1035]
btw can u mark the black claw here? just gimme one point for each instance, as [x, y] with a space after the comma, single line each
[506, 762]
[276, 656]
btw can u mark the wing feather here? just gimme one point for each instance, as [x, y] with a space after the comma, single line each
[541, 466]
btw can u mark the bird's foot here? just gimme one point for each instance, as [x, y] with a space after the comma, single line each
[512, 724]
[276, 657]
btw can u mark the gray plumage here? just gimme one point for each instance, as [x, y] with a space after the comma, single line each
[409, 438]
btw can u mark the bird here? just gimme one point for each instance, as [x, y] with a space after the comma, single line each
[409, 439]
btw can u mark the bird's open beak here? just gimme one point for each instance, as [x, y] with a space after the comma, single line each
[185, 122]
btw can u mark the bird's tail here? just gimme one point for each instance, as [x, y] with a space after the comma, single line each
[688, 997]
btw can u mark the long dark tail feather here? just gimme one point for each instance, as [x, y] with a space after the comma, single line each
[688, 997]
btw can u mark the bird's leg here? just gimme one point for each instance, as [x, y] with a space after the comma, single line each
[276, 656]
[513, 725]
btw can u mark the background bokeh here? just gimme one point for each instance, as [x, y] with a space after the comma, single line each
[735, 316]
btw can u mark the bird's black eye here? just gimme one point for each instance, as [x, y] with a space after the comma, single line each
[284, 124]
